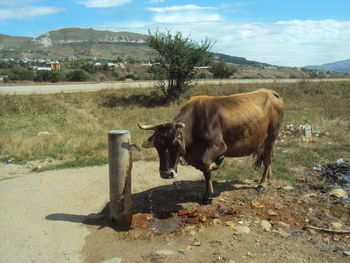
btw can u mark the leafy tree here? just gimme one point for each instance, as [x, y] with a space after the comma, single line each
[77, 75]
[222, 70]
[178, 57]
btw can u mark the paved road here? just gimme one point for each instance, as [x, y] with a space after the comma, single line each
[69, 88]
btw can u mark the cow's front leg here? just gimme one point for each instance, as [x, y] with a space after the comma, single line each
[209, 190]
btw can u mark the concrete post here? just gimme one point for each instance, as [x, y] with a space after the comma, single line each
[120, 165]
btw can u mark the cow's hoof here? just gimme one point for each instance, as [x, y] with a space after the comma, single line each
[261, 188]
[207, 200]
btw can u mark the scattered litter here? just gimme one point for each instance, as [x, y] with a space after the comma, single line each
[317, 168]
[11, 160]
[337, 173]
[340, 161]
[339, 193]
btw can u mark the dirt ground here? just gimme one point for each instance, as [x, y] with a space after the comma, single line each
[58, 216]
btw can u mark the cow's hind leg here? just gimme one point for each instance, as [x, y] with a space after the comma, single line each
[265, 158]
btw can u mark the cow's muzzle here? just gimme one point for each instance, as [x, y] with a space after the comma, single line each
[170, 174]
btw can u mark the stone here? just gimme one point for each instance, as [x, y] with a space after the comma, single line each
[280, 232]
[339, 193]
[216, 221]
[230, 223]
[113, 260]
[241, 229]
[195, 242]
[266, 225]
[165, 252]
[270, 212]
[288, 188]
[346, 253]
[336, 225]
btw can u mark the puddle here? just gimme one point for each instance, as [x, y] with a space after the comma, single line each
[167, 222]
[166, 226]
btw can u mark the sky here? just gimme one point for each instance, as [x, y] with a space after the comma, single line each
[278, 32]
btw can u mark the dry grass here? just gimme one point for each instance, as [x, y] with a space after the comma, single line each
[76, 125]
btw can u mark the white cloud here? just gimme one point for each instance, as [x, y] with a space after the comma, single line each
[285, 43]
[178, 8]
[185, 17]
[294, 43]
[27, 12]
[183, 14]
[103, 3]
[15, 2]
[156, 1]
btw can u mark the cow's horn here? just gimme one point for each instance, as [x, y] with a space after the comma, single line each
[146, 127]
[180, 125]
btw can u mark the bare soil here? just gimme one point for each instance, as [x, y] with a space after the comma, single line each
[58, 216]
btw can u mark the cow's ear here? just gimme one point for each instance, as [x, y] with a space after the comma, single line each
[181, 142]
[149, 143]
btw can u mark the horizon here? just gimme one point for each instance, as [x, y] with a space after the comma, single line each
[293, 33]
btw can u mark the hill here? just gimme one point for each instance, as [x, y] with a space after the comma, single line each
[238, 60]
[78, 42]
[342, 66]
[85, 43]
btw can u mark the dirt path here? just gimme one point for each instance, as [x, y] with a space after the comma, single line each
[81, 87]
[45, 218]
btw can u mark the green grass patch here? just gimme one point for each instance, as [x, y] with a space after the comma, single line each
[78, 163]
[76, 125]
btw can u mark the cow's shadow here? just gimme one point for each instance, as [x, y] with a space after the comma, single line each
[157, 201]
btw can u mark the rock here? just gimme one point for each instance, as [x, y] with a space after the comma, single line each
[336, 225]
[230, 223]
[216, 221]
[195, 242]
[339, 193]
[266, 225]
[241, 229]
[280, 232]
[113, 260]
[346, 253]
[271, 213]
[288, 188]
[165, 252]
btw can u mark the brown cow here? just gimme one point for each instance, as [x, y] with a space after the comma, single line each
[208, 128]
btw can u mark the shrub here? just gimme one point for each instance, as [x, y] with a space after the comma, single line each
[77, 75]
[47, 76]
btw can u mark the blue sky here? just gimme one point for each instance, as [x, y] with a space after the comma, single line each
[280, 32]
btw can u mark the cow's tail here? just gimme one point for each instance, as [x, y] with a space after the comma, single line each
[259, 157]
[258, 162]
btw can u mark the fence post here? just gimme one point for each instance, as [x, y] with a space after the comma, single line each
[120, 165]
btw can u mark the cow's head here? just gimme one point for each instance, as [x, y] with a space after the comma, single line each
[169, 142]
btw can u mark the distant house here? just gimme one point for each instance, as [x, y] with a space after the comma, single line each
[42, 68]
[3, 78]
[53, 65]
